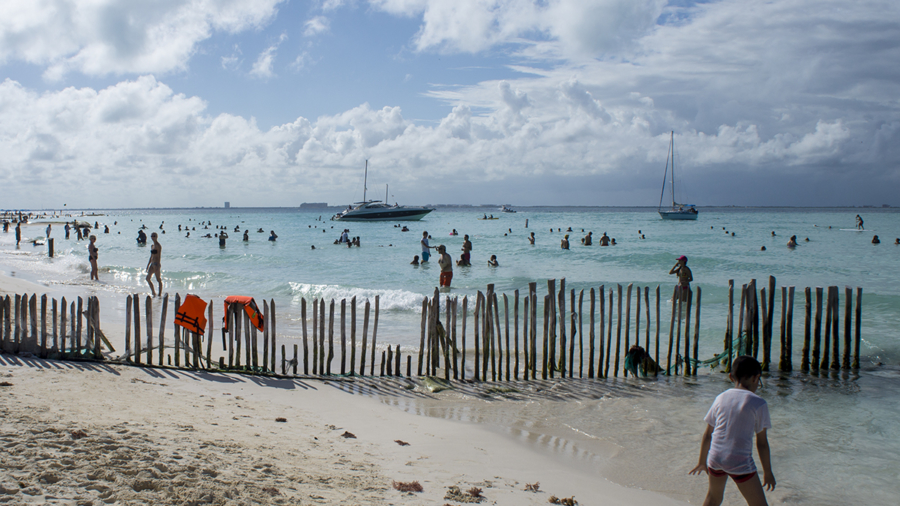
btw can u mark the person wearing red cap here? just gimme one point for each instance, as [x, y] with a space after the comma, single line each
[684, 273]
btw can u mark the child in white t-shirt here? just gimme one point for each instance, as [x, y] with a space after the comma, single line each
[727, 447]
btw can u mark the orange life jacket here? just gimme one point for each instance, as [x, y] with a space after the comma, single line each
[192, 314]
[250, 307]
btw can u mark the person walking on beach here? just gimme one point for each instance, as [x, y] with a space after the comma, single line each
[153, 265]
[685, 276]
[18, 232]
[859, 223]
[466, 251]
[726, 449]
[92, 256]
[446, 264]
[426, 249]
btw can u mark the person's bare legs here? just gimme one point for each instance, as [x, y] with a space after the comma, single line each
[753, 492]
[150, 282]
[159, 281]
[716, 490]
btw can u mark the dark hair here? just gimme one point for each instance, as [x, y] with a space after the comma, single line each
[745, 367]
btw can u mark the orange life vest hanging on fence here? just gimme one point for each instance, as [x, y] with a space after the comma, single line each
[250, 307]
[192, 314]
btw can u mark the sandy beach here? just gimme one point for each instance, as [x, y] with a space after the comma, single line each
[90, 433]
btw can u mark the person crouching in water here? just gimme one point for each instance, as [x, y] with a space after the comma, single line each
[726, 449]
[446, 264]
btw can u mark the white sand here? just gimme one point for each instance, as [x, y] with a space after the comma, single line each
[157, 436]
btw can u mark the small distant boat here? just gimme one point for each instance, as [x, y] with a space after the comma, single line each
[377, 210]
[491, 217]
[677, 211]
[506, 209]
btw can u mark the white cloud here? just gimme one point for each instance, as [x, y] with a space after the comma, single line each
[314, 26]
[233, 61]
[119, 36]
[576, 28]
[262, 68]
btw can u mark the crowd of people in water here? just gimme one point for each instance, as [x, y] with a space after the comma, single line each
[82, 231]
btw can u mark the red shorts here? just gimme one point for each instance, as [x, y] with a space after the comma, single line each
[446, 277]
[738, 478]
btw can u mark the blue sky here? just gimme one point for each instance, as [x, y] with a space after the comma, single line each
[556, 102]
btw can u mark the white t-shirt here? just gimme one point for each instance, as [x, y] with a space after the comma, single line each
[735, 416]
[424, 242]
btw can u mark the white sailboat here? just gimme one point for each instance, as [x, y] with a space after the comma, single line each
[677, 211]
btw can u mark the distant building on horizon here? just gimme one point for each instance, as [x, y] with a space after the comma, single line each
[227, 205]
[313, 205]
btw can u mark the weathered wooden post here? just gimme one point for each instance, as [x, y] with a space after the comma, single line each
[330, 356]
[826, 349]
[609, 327]
[315, 336]
[477, 343]
[592, 337]
[273, 335]
[637, 320]
[250, 355]
[789, 338]
[544, 370]
[294, 362]
[855, 364]
[741, 314]
[818, 331]
[148, 308]
[804, 364]
[382, 362]
[754, 317]
[783, 328]
[697, 333]
[390, 361]
[562, 327]
[176, 332]
[618, 330]
[322, 337]
[353, 336]
[848, 307]
[465, 316]
[835, 325]
[62, 327]
[265, 355]
[675, 295]
[343, 336]
[729, 327]
[687, 333]
[516, 333]
[506, 319]
[305, 342]
[580, 332]
[627, 327]
[647, 312]
[229, 318]
[42, 351]
[375, 331]
[162, 327]
[499, 339]
[362, 355]
[765, 327]
[397, 361]
[210, 334]
[551, 300]
[532, 294]
[453, 340]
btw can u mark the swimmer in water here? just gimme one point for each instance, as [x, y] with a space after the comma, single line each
[876, 240]
[792, 243]
[493, 261]
[415, 260]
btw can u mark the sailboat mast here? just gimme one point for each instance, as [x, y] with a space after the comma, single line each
[385, 193]
[672, 145]
[365, 180]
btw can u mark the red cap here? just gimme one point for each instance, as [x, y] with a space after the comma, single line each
[682, 257]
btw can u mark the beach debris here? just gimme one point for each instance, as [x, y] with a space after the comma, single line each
[281, 419]
[5, 384]
[78, 434]
[348, 435]
[565, 501]
[272, 491]
[501, 390]
[436, 385]
[455, 494]
[408, 486]
[401, 443]
[475, 492]
[533, 487]
[332, 427]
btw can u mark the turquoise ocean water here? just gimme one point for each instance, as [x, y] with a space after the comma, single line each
[835, 438]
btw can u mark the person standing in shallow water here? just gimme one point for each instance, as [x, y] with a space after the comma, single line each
[685, 276]
[92, 256]
[727, 445]
[466, 251]
[446, 264]
[154, 267]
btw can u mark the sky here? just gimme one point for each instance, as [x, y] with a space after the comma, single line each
[188, 103]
